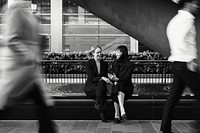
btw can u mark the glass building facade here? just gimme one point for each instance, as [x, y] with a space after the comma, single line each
[81, 30]
[44, 15]
[71, 28]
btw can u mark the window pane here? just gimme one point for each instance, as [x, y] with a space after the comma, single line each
[44, 6]
[113, 40]
[80, 29]
[45, 29]
[70, 19]
[91, 19]
[69, 7]
[108, 29]
[45, 19]
[77, 43]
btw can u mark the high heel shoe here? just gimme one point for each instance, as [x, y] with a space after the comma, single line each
[116, 120]
[124, 117]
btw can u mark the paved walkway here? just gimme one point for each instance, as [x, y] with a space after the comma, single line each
[96, 126]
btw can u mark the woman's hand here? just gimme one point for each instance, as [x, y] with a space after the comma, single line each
[107, 80]
[110, 76]
[113, 77]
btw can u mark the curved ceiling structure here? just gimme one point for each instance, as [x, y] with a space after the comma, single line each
[144, 20]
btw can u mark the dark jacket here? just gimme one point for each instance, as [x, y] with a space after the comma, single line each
[92, 74]
[123, 71]
[20, 54]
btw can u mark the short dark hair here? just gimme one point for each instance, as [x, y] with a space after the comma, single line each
[181, 3]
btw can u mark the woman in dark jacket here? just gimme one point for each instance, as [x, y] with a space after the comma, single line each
[95, 86]
[122, 88]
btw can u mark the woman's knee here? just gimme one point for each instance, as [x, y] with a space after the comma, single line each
[102, 83]
[121, 93]
[91, 94]
[115, 99]
[102, 86]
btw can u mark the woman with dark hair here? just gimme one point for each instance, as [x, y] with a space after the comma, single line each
[122, 88]
[97, 78]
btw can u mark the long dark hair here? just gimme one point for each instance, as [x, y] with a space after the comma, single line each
[124, 50]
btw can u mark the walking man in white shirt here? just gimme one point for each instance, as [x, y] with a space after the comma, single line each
[181, 33]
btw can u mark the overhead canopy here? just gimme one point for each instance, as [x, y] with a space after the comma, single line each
[144, 20]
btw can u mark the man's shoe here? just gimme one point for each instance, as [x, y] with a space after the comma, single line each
[116, 120]
[103, 117]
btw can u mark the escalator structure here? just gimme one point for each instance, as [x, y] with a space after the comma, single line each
[144, 20]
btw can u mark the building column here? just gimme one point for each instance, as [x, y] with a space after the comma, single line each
[133, 45]
[81, 18]
[56, 26]
[10, 2]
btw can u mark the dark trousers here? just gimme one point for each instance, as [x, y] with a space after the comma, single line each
[99, 93]
[42, 110]
[182, 77]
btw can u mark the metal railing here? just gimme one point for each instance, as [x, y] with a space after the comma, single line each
[74, 71]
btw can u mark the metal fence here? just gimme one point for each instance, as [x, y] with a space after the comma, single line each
[74, 71]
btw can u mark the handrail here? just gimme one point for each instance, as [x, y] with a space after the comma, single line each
[74, 71]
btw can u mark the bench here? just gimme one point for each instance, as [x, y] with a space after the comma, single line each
[80, 107]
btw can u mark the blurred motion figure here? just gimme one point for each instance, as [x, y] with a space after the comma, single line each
[181, 33]
[19, 69]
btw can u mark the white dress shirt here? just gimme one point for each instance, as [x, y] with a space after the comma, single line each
[181, 34]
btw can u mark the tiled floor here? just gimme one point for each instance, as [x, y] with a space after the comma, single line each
[96, 126]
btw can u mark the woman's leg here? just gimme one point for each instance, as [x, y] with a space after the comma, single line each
[46, 125]
[116, 106]
[121, 97]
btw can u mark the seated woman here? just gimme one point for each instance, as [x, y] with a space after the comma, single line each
[122, 88]
[95, 86]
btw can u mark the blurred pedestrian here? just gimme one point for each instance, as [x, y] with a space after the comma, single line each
[181, 33]
[20, 76]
